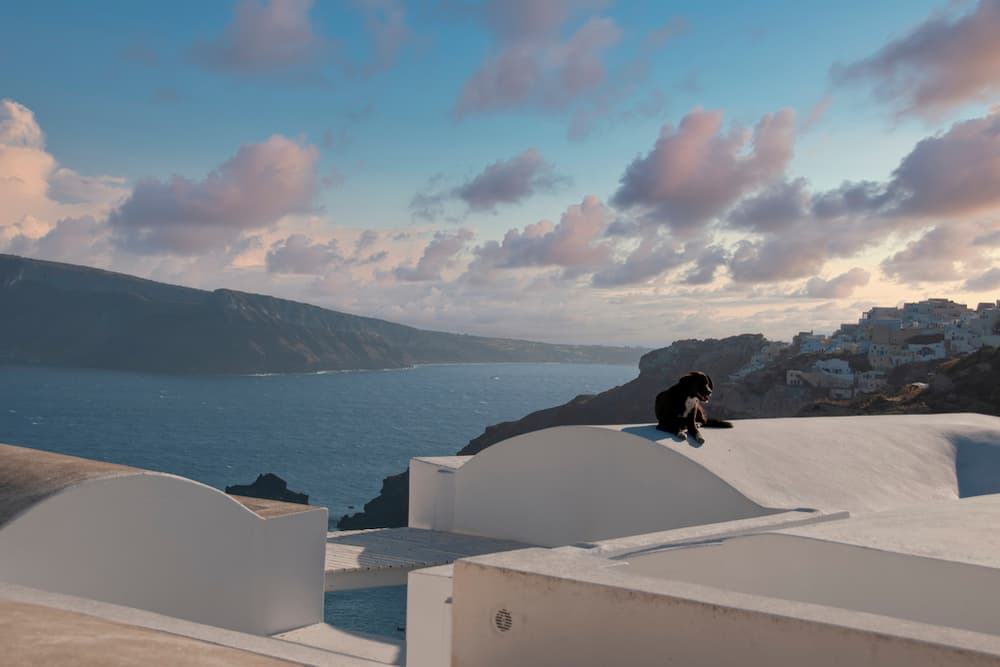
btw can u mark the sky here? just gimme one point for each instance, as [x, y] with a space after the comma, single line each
[576, 171]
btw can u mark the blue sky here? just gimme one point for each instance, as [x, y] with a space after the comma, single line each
[422, 139]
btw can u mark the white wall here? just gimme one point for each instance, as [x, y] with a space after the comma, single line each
[851, 577]
[432, 494]
[173, 546]
[428, 617]
[602, 618]
[576, 483]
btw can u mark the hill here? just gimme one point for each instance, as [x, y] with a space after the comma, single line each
[67, 315]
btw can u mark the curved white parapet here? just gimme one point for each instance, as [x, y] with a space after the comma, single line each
[573, 484]
[158, 542]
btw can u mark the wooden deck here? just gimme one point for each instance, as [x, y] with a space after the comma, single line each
[384, 556]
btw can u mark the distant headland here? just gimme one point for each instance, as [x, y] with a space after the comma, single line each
[66, 315]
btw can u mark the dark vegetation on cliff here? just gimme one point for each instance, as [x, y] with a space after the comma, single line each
[969, 384]
[65, 315]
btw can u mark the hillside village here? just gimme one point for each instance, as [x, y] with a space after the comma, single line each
[859, 358]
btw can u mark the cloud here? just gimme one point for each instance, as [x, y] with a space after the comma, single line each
[298, 254]
[654, 255]
[35, 191]
[706, 265]
[954, 174]
[695, 172]
[776, 208]
[509, 182]
[797, 253]
[73, 240]
[944, 253]
[658, 37]
[838, 287]
[252, 190]
[531, 65]
[439, 255]
[504, 182]
[264, 37]
[575, 244]
[385, 22]
[945, 62]
[988, 280]
[18, 128]
[817, 113]
[957, 172]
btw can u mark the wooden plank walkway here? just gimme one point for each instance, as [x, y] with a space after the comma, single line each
[384, 556]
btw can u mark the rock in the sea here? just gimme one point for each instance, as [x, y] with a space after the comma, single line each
[270, 487]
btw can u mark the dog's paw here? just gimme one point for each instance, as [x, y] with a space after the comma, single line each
[699, 438]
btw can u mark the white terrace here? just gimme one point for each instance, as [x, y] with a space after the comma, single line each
[779, 542]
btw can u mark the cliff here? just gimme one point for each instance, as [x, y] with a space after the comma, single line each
[66, 315]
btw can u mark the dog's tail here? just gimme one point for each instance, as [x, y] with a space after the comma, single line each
[717, 423]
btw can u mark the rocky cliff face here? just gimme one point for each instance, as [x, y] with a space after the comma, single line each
[65, 315]
[629, 403]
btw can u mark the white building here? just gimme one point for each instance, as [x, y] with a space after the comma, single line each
[819, 541]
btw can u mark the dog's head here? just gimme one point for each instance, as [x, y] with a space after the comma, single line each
[697, 385]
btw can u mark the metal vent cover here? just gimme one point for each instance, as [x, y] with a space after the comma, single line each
[502, 620]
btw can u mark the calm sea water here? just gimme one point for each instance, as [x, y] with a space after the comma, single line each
[333, 436]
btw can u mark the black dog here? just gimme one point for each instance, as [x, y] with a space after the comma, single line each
[678, 409]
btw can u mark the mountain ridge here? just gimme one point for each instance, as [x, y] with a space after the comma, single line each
[70, 315]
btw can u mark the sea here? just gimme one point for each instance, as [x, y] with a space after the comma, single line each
[331, 435]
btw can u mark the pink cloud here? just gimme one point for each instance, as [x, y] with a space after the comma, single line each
[505, 182]
[385, 22]
[944, 253]
[531, 64]
[954, 173]
[816, 113]
[439, 255]
[695, 172]
[987, 280]
[654, 255]
[941, 64]
[838, 287]
[778, 207]
[252, 190]
[575, 243]
[299, 254]
[263, 37]
[18, 127]
[509, 181]
[35, 191]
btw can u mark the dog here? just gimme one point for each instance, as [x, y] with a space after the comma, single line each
[679, 408]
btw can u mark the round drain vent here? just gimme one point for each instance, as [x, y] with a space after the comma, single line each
[502, 620]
